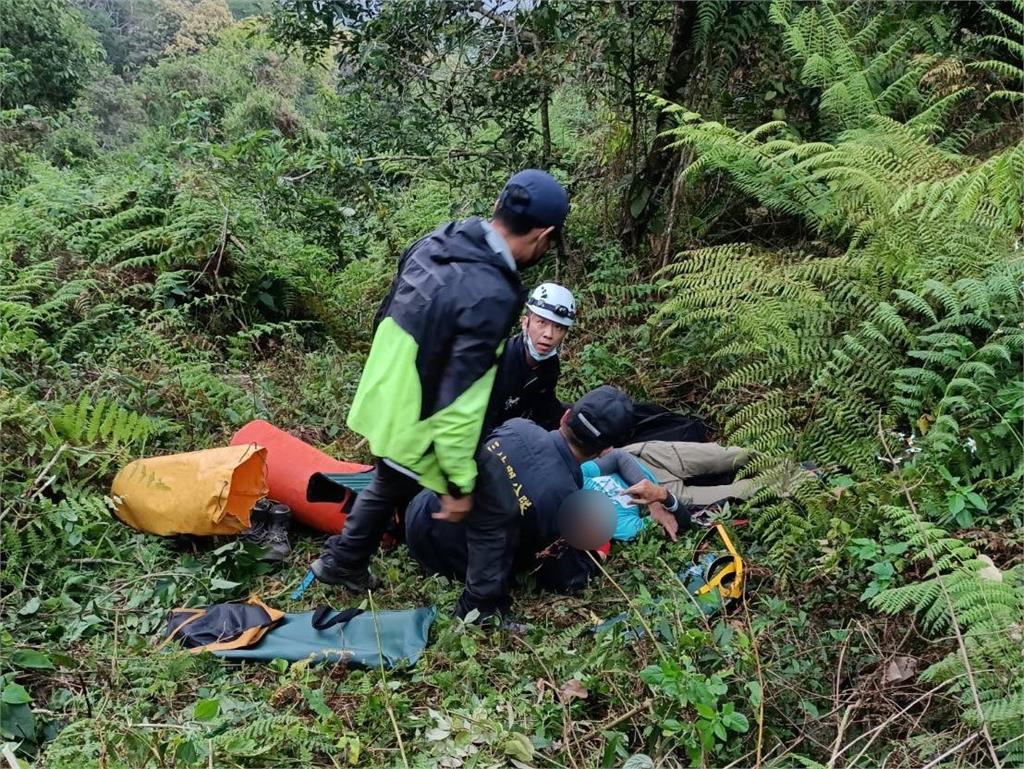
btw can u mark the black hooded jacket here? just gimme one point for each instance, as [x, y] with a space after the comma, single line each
[525, 391]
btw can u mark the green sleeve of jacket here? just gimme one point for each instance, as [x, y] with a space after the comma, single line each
[464, 389]
[457, 429]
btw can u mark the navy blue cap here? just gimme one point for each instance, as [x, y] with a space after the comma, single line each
[602, 418]
[538, 196]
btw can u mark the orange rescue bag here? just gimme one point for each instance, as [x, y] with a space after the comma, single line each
[290, 464]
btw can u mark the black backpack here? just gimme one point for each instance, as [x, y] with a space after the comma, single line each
[652, 422]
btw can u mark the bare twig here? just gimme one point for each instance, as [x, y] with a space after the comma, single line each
[845, 720]
[839, 671]
[478, 7]
[300, 177]
[840, 732]
[873, 733]
[788, 749]
[955, 749]
[760, 680]
[384, 682]
[677, 184]
[44, 471]
[487, 13]
[615, 721]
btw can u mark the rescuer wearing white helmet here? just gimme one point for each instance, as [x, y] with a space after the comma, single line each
[529, 369]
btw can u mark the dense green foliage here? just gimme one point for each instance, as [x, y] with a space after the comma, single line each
[802, 221]
[46, 53]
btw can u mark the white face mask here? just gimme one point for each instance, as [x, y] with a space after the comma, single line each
[533, 350]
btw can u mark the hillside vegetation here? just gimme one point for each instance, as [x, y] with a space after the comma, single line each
[801, 221]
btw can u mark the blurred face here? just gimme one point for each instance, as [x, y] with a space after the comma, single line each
[586, 532]
[546, 335]
[587, 520]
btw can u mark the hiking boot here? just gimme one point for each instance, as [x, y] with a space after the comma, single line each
[355, 581]
[269, 522]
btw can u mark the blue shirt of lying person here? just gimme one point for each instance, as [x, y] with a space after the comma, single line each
[630, 518]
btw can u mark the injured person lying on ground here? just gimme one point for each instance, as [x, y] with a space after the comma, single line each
[662, 475]
[694, 475]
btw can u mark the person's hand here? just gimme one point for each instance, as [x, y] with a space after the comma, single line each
[453, 509]
[665, 519]
[646, 493]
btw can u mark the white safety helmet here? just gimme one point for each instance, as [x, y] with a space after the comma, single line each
[554, 302]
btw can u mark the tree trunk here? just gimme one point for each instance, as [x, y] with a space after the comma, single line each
[651, 182]
[545, 128]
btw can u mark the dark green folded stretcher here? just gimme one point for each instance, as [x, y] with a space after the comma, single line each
[394, 638]
[251, 630]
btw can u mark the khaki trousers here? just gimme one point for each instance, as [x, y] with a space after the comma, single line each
[675, 462]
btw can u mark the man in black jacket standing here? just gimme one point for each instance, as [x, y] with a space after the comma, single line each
[424, 392]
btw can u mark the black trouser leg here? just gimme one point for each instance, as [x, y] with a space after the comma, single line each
[352, 549]
[439, 547]
[492, 537]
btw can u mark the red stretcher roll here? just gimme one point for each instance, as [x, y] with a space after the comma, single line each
[290, 464]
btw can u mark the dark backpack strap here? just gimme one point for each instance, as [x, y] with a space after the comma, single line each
[322, 620]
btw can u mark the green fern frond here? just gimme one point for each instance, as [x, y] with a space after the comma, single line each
[90, 422]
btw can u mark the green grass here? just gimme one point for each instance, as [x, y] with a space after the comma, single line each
[127, 703]
[475, 698]
[772, 678]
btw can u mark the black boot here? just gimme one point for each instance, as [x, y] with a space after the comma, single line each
[269, 524]
[330, 572]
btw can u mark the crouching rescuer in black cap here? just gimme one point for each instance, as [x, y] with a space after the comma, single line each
[519, 517]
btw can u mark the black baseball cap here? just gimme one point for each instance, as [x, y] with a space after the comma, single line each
[537, 196]
[602, 417]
